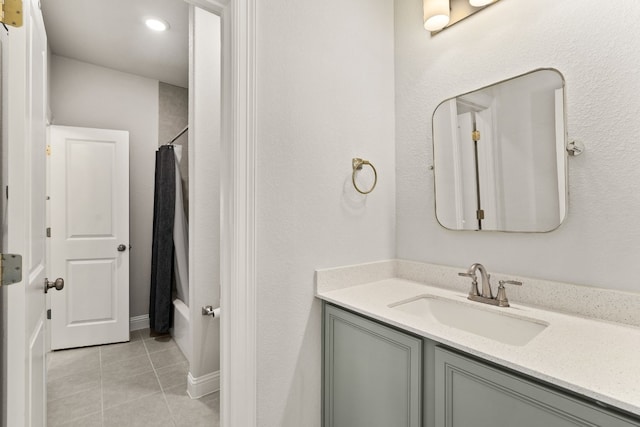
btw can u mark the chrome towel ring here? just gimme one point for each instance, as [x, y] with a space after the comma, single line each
[357, 164]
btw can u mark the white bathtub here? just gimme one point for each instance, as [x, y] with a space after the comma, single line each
[180, 332]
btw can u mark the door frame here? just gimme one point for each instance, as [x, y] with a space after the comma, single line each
[238, 212]
[17, 116]
[238, 291]
[14, 77]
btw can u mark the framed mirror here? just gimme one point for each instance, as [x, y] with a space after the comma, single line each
[500, 159]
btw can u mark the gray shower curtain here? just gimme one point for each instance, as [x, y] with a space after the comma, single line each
[164, 199]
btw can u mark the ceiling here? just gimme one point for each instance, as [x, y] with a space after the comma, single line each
[112, 34]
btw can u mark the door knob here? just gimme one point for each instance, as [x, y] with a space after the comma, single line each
[58, 284]
[122, 248]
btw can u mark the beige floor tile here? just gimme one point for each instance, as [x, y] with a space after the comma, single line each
[93, 420]
[73, 361]
[127, 368]
[135, 336]
[127, 385]
[147, 334]
[74, 406]
[119, 352]
[193, 412]
[173, 376]
[71, 384]
[159, 344]
[122, 390]
[192, 420]
[150, 411]
[169, 357]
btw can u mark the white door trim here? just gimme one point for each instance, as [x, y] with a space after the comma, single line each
[23, 143]
[14, 77]
[238, 347]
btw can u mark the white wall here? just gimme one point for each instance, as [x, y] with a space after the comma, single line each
[86, 95]
[325, 95]
[204, 204]
[595, 45]
[527, 145]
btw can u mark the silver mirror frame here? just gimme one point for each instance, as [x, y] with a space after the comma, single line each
[567, 151]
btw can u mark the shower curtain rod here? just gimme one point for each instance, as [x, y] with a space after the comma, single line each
[186, 128]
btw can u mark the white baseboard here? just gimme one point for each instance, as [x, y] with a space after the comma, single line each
[139, 322]
[201, 386]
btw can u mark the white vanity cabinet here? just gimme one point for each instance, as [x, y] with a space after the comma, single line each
[372, 373]
[375, 375]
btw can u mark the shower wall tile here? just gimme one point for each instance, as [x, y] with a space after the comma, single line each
[173, 114]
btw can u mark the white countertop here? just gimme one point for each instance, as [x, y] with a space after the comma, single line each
[595, 358]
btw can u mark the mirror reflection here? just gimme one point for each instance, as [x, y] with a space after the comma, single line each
[500, 158]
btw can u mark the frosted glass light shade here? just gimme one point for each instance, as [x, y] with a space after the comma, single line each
[436, 14]
[480, 3]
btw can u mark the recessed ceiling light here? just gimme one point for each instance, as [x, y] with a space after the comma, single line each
[157, 24]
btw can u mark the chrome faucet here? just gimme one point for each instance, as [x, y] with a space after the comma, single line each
[486, 285]
[487, 296]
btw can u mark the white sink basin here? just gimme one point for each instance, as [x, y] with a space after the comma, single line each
[504, 327]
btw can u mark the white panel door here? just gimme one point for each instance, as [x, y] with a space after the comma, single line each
[89, 189]
[24, 146]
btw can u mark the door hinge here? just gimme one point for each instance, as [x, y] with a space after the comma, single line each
[49, 314]
[10, 269]
[480, 214]
[48, 150]
[475, 135]
[48, 231]
[11, 12]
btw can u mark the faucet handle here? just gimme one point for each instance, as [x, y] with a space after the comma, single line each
[509, 282]
[474, 283]
[501, 298]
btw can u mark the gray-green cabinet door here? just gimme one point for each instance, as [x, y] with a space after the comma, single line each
[372, 373]
[471, 393]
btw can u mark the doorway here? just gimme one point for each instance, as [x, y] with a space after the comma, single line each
[77, 101]
[238, 210]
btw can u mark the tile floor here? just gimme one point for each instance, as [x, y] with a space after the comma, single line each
[139, 383]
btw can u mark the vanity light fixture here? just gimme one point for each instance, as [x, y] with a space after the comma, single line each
[441, 14]
[157, 24]
[436, 14]
[480, 3]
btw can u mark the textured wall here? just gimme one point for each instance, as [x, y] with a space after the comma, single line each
[173, 116]
[204, 221]
[325, 95]
[595, 45]
[86, 95]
